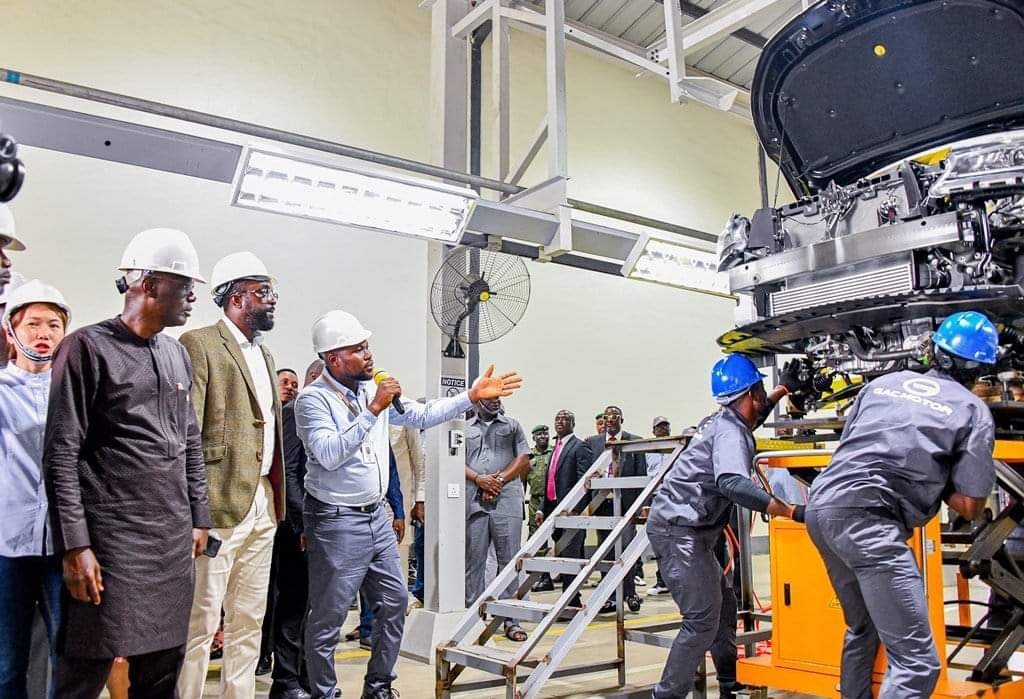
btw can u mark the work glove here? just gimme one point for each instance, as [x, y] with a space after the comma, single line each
[796, 376]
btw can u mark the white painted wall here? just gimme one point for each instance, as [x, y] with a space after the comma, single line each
[357, 71]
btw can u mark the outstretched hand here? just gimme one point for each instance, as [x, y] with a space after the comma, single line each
[489, 386]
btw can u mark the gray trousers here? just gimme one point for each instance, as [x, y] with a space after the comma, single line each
[484, 529]
[344, 548]
[707, 601]
[879, 585]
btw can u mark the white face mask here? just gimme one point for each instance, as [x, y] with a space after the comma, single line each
[27, 352]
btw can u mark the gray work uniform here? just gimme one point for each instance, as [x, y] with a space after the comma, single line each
[907, 439]
[490, 447]
[686, 519]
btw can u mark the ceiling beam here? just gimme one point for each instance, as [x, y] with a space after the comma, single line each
[695, 11]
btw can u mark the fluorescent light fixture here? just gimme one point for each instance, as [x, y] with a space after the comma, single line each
[288, 185]
[674, 264]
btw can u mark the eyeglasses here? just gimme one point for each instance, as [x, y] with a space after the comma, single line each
[264, 293]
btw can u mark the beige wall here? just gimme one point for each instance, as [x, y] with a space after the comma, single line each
[357, 71]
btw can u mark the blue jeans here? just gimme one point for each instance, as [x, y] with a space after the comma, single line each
[26, 583]
[417, 551]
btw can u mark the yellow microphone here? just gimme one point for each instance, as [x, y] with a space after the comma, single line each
[379, 377]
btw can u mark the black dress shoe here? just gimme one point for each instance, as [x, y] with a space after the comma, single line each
[263, 667]
[294, 693]
[545, 584]
[729, 691]
[634, 602]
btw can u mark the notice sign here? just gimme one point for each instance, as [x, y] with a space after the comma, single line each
[452, 386]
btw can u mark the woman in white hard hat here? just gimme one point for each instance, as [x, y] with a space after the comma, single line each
[34, 322]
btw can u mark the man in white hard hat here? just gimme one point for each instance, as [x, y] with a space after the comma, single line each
[239, 416]
[123, 465]
[343, 422]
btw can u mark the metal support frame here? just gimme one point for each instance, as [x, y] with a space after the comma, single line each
[988, 560]
[710, 27]
[540, 137]
[444, 594]
[500, 110]
[708, 91]
[703, 87]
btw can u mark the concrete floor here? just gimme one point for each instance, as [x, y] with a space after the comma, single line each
[644, 663]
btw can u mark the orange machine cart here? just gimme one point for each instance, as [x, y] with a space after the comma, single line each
[807, 621]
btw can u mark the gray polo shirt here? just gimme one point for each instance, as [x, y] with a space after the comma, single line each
[490, 447]
[689, 496]
[905, 439]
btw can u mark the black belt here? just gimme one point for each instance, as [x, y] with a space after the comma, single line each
[366, 509]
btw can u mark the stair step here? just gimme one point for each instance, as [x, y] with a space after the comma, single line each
[619, 482]
[553, 565]
[524, 610]
[486, 658]
[584, 522]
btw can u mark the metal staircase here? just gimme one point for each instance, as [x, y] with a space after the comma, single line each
[525, 672]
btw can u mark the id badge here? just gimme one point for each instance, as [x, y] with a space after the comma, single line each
[369, 453]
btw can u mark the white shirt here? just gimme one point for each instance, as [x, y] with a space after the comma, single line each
[264, 386]
[24, 398]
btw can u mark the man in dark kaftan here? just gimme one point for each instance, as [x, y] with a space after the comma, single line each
[124, 469]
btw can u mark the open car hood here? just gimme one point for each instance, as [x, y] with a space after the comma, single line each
[851, 86]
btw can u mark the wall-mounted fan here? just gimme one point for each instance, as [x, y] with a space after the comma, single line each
[478, 289]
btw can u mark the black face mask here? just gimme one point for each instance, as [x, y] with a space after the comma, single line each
[964, 371]
[967, 373]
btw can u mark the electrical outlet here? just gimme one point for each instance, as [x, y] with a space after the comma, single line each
[453, 490]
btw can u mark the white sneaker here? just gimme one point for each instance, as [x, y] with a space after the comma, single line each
[658, 590]
[638, 581]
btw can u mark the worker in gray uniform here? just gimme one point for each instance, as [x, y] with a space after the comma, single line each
[692, 508]
[910, 442]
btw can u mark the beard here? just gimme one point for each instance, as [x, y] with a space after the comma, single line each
[261, 321]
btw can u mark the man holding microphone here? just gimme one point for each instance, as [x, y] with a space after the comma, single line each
[343, 421]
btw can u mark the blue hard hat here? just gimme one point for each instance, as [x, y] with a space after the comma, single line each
[969, 335]
[733, 374]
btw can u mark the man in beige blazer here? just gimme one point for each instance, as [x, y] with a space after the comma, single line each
[239, 414]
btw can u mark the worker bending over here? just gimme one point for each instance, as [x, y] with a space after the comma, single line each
[910, 442]
[692, 508]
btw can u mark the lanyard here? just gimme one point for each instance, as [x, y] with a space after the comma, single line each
[352, 408]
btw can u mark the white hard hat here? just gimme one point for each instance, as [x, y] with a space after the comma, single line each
[7, 229]
[162, 250]
[237, 265]
[337, 329]
[35, 291]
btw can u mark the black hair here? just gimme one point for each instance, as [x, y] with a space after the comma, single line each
[281, 371]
